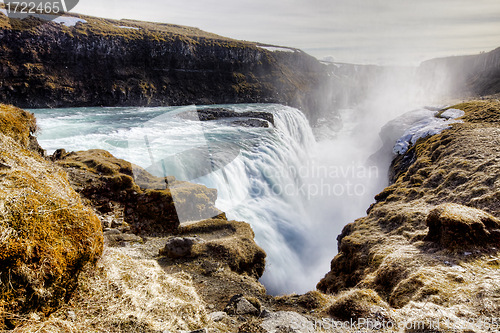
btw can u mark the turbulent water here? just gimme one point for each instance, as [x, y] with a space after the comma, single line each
[296, 194]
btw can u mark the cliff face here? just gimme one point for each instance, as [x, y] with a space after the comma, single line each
[99, 63]
[473, 75]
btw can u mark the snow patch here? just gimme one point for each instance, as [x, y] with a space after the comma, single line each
[452, 113]
[395, 128]
[420, 124]
[4, 11]
[69, 21]
[329, 58]
[125, 27]
[274, 49]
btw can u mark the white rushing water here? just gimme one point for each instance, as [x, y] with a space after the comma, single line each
[296, 194]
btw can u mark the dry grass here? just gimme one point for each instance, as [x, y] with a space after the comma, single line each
[123, 294]
[46, 233]
[17, 123]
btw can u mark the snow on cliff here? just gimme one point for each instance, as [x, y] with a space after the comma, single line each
[422, 123]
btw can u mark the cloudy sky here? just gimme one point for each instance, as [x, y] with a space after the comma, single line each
[356, 31]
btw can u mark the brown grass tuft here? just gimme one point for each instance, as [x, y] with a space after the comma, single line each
[356, 303]
[17, 123]
[46, 234]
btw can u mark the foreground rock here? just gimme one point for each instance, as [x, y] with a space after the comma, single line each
[461, 227]
[287, 321]
[429, 246]
[47, 235]
[145, 203]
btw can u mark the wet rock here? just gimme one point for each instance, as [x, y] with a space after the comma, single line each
[220, 113]
[252, 123]
[457, 226]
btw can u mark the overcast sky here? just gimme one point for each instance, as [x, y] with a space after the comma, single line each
[356, 31]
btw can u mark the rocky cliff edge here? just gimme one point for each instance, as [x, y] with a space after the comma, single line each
[428, 250]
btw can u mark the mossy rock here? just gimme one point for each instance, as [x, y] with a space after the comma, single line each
[228, 242]
[460, 227]
[150, 205]
[357, 303]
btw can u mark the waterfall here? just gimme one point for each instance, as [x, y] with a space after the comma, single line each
[263, 189]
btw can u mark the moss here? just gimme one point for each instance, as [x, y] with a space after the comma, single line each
[405, 290]
[312, 300]
[479, 111]
[230, 242]
[97, 161]
[17, 123]
[355, 304]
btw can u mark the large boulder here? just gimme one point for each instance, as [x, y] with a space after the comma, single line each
[47, 235]
[456, 226]
[230, 243]
[178, 247]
